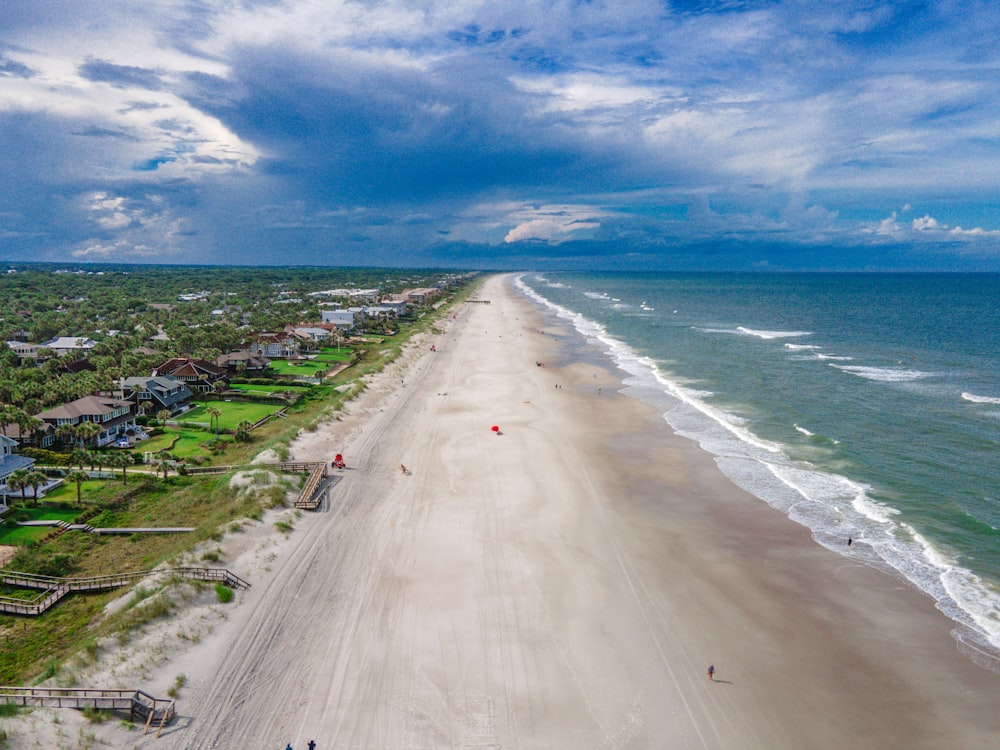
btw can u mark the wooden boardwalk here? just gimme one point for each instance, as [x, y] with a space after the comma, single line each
[152, 711]
[53, 589]
[312, 493]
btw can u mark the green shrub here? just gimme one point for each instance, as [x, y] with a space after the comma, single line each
[45, 456]
[224, 593]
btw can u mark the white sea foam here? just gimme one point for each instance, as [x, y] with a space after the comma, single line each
[884, 374]
[797, 347]
[837, 357]
[980, 399]
[803, 430]
[832, 506]
[773, 334]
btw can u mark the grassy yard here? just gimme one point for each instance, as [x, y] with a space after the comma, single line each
[11, 533]
[181, 442]
[233, 412]
[262, 390]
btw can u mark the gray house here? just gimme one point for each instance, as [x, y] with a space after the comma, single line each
[159, 391]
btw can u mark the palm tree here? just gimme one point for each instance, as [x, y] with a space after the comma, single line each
[213, 417]
[120, 461]
[79, 477]
[67, 432]
[18, 481]
[243, 431]
[88, 431]
[162, 415]
[163, 460]
[80, 456]
[36, 479]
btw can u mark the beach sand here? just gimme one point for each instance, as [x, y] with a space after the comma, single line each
[564, 584]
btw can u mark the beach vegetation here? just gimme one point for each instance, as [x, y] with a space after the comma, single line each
[223, 593]
[135, 495]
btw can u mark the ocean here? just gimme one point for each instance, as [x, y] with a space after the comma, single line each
[864, 406]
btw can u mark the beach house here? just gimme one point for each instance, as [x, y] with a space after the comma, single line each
[114, 416]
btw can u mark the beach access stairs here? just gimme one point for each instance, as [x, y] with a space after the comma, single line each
[52, 589]
[312, 491]
[153, 712]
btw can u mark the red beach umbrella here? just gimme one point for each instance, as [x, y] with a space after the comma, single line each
[495, 428]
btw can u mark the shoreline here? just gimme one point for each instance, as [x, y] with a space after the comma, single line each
[566, 583]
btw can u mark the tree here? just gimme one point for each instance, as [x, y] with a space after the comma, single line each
[120, 461]
[36, 479]
[242, 434]
[67, 433]
[18, 481]
[79, 477]
[88, 431]
[213, 418]
[80, 456]
[162, 415]
[164, 461]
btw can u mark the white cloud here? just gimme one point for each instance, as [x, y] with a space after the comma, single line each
[553, 223]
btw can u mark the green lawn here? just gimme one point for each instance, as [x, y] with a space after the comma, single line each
[268, 389]
[181, 442]
[10, 533]
[301, 368]
[233, 412]
[66, 492]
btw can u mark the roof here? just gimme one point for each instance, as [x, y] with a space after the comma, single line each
[69, 342]
[191, 368]
[11, 462]
[13, 430]
[86, 406]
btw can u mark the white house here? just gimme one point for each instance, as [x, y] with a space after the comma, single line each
[65, 344]
[343, 319]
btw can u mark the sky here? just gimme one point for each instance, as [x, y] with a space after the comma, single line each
[628, 134]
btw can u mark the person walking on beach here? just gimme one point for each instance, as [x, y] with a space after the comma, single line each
[711, 672]
[312, 744]
[402, 467]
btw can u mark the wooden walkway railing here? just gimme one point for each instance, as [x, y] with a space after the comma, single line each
[155, 711]
[53, 589]
[310, 496]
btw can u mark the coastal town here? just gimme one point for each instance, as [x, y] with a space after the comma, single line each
[119, 386]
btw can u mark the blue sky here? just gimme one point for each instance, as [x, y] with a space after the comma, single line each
[631, 134]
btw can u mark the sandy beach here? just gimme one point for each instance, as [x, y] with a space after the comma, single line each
[563, 584]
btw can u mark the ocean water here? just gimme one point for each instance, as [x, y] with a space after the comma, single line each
[864, 406]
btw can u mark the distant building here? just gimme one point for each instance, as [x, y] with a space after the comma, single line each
[24, 350]
[284, 345]
[420, 296]
[243, 360]
[198, 374]
[67, 344]
[345, 320]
